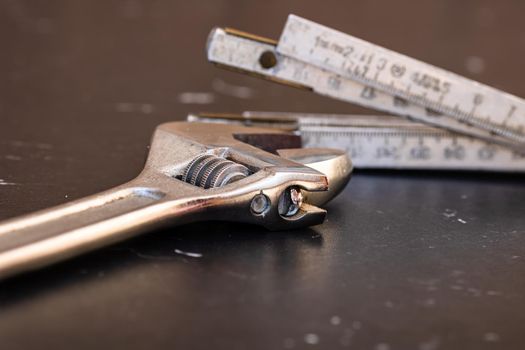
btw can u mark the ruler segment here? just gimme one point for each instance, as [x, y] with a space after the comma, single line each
[386, 142]
[433, 88]
[244, 54]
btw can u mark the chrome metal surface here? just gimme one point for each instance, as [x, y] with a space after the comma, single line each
[163, 195]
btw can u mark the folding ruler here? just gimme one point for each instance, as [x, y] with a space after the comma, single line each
[466, 125]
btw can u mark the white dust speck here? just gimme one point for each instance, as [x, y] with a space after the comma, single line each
[66, 196]
[515, 257]
[335, 320]
[289, 343]
[475, 64]
[222, 87]
[190, 254]
[146, 108]
[196, 98]
[311, 338]
[491, 337]
[449, 213]
[464, 196]
[462, 221]
[389, 304]
[5, 183]
[382, 346]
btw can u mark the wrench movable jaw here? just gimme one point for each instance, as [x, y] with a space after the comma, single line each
[273, 172]
[235, 203]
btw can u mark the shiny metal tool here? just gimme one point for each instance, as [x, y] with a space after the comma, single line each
[194, 172]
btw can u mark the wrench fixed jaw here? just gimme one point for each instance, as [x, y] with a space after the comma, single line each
[271, 177]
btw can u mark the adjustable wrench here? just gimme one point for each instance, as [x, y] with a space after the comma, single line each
[194, 171]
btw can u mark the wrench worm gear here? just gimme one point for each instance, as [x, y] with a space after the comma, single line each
[209, 171]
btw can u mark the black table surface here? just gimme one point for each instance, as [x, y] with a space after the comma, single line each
[405, 260]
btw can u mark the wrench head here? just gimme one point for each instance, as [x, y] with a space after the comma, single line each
[280, 187]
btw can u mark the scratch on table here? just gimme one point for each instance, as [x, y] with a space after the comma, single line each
[190, 254]
[6, 183]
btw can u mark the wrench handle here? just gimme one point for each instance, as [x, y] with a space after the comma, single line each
[48, 236]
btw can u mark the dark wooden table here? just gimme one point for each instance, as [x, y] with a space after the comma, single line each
[406, 260]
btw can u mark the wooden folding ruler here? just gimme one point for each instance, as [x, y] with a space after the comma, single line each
[455, 123]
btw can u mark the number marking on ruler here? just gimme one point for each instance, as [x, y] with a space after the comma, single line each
[385, 142]
[343, 67]
[400, 75]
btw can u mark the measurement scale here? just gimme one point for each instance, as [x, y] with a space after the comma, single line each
[384, 142]
[311, 56]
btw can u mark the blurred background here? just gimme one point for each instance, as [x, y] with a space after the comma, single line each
[83, 85]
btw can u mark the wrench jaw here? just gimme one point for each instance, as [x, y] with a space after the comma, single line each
[280, 188]
[256, 200]
[272, 175]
